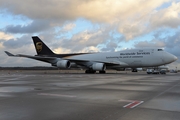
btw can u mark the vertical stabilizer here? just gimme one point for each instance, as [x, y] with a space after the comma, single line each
[40, 47]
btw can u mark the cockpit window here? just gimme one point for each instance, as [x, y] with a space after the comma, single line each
[160, 49]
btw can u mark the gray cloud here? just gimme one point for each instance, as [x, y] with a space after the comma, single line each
[131, 17]
[17, 43]
[110, 46]
[34, 27]
[85, 39]
[90, 38]
[173, 44]
[168, 17]
[150, 44]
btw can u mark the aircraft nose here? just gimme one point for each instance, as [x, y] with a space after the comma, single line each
[172, 57]
[169, 58]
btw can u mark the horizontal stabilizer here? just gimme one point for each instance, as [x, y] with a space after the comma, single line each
[40, 58]
[8, 53]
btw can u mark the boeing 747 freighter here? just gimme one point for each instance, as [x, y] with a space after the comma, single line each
[92, 62]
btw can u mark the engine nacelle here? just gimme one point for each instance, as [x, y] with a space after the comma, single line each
[99, 66]
[63, 64]
[163, 67]
[139, 69]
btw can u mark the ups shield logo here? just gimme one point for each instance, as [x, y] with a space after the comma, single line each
[39, 46]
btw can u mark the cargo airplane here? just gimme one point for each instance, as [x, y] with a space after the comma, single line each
[92, 62]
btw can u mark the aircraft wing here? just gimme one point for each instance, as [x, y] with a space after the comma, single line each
[77, 61]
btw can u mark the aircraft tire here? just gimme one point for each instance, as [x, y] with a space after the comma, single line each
[134, 70]
[102, 72]
[90, 71]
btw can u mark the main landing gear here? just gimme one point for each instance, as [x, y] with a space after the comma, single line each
[134, 70]
[90, 71]
[102, 72]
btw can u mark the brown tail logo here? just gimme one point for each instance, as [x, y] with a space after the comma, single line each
[39, 46]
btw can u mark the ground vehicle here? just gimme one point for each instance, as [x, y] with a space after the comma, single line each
[155, 72]
[162, 71]
[149, 71]
[152, 71]
[173, 71]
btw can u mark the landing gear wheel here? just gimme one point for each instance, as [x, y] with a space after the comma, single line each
[87, 71]
[90, 71]
[102, 72]
[134, 70]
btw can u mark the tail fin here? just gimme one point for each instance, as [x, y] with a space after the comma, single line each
[40, 47]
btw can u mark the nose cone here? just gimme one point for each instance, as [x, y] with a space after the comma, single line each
[170, 57]
[174, 58]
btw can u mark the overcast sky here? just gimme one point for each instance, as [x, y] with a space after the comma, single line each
[68, 26]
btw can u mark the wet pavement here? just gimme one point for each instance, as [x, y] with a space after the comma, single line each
[39, 95]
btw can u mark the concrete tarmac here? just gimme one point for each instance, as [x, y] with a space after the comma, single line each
[47, 95]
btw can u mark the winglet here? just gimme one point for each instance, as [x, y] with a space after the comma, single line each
[8, 53]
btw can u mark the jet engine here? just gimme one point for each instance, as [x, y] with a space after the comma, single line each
[63, 64]
[99, 66]
[139, 69]
[163, 67]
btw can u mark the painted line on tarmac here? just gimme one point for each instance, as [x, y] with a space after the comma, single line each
[15, 78]
[132, 104]
[56, 95]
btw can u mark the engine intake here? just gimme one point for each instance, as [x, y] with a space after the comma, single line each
[63, 64]
[99, 66]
